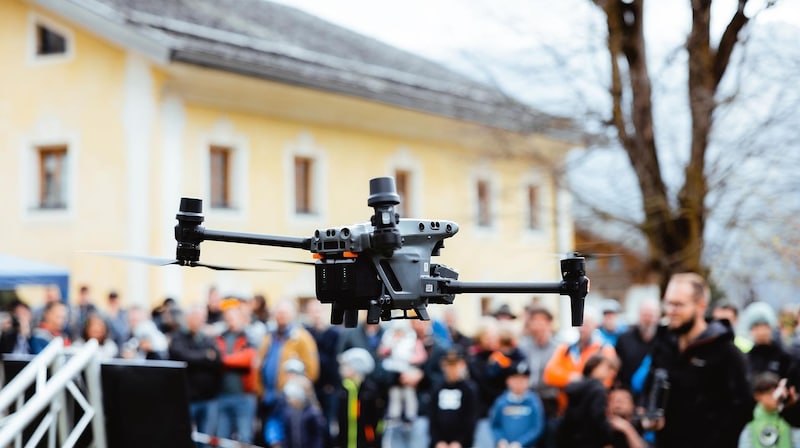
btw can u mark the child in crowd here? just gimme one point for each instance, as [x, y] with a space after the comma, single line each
[454, 405]
[517, 416]
[361, 404]
[768, 428]
[402, 351]
[304, 426]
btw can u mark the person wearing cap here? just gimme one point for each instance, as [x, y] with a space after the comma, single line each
[517, 416]
[361, 403]
[503, 312]
[454, 404]
[610, 328]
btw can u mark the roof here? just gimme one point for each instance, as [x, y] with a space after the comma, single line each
[277, 42]
[16, 271]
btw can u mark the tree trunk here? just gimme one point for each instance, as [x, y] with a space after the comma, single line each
[674, 235]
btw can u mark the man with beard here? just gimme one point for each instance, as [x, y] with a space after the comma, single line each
[709, 398]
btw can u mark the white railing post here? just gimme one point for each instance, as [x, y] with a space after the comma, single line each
[94, 388]
[51, 395]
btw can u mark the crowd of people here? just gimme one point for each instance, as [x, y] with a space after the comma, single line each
[272, 376]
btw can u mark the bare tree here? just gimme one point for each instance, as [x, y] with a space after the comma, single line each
[674, 233]
[699, 174]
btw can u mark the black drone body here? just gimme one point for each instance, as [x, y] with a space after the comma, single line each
[382, 266]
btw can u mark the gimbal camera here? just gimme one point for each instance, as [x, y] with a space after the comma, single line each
[382, 266]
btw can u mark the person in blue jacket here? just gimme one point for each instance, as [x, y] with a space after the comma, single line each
[517, 416]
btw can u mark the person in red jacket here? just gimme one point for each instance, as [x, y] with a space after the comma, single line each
[237, 401]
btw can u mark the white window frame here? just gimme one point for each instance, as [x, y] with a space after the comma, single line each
[35, 20]
[403, 160]
[304, 146]
[485, 174]
[224, 135]
[30, 182]
[538, 179]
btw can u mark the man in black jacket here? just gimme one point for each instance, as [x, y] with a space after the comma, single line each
[203, 370]
[709, 398]
[635, 345]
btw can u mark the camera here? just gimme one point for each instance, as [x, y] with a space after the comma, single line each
[658, 396]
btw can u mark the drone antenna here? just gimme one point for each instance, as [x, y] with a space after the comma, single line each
[383, 198]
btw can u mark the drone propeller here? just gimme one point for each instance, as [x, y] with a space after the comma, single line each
[158, 261]
[592, 255]
[306, 263]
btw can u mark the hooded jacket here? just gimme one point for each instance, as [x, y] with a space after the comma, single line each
[709, 398]
[585, 422]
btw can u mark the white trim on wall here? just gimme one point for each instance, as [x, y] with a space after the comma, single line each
[173, 122]
[403, 159]
[48, 131]
[546, 209]
[484, 172]
[305, 146]
[223, 133]
[138, 110]
[32, 58]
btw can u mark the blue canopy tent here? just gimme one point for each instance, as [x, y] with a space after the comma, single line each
[15, 271]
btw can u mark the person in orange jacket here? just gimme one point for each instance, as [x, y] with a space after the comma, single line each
[566, 364]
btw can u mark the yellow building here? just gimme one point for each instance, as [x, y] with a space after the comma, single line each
[112, 110]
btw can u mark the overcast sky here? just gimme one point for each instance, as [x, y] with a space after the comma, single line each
[435, 27]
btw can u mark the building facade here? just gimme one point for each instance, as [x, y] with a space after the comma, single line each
[111, 111]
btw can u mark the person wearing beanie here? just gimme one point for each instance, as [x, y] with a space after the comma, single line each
[361, 402]
[304, 425]
[767, 353]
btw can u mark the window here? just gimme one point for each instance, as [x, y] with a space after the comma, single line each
[402, 180]
[484, 203]
[220, 176]
[53, 173]
[486, 306]
[533, 216]
[303, 185]
[49, 42]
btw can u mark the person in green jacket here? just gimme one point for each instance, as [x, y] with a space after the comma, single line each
[768, 428]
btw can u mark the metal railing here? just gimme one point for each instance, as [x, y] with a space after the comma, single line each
[49, 401]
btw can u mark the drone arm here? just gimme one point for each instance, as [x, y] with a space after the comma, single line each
[254, 238]
[458, 287]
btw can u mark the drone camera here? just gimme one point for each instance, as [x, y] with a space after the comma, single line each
[383, 198]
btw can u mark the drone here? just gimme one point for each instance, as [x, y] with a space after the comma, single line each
[382, 266]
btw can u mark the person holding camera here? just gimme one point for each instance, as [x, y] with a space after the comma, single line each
[709, 398]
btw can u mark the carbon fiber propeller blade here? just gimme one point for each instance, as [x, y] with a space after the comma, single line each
[159, 261]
